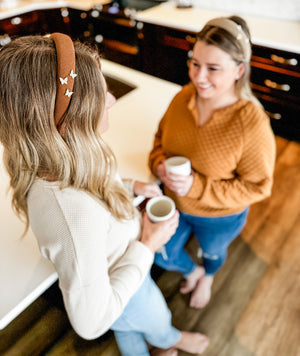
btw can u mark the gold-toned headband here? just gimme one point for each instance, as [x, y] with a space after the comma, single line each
[236, 31]
[65, 54]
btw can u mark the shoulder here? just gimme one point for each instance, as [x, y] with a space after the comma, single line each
[251, 117]
[66, 197]
[251, 113]
[48, 203]
[255, 123]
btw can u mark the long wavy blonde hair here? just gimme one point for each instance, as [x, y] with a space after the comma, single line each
[33, 147]
[228, 43]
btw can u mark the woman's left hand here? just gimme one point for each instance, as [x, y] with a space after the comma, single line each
[180, 185]
[147, 190]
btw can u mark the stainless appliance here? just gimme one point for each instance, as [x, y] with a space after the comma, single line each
[136, 4]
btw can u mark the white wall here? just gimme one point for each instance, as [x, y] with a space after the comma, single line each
[278, 9]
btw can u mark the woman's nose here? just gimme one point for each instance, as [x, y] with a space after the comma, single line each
[201, 74]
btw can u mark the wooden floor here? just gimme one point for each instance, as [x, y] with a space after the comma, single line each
[255, 307]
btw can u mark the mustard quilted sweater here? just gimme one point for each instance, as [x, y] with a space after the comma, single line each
[233, 154]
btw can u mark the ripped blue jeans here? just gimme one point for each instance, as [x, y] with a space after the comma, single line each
[214, 235]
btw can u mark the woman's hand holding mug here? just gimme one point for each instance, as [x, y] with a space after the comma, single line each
[176, 174]
[159, 223]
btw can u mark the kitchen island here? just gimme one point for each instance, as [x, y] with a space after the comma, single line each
[24, 274]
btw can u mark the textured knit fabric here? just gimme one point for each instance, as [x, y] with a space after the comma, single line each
[99, 260]
[233, 154]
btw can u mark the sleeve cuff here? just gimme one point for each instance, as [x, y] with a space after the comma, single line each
[141, 254]
[156, 162]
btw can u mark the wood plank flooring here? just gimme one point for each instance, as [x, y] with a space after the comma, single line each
[255, 305]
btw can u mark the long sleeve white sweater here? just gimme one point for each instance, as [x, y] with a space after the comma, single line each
[99, 260]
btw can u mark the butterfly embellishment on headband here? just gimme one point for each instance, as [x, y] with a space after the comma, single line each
[72, 74]
[68, 93]
[63, 80]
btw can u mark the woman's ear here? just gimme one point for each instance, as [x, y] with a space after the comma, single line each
[240, 71]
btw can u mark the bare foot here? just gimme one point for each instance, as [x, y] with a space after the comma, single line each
[202, 292]
[161, 352]
[190, 283]
[192, 342]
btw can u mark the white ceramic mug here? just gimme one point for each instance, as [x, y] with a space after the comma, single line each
[184, 3]
[178, 165]
[160, 208]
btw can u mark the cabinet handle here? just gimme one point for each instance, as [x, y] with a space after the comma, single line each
[190, 39]
[282, 60]
[284, 87]
[4, 39]
[274, 115]
[95, 13]
[125, 22]
[120, 47]
[16, 20]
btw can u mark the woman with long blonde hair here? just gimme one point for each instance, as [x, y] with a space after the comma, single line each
[53, 109]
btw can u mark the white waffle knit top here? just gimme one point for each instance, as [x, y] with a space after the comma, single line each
[99, 261]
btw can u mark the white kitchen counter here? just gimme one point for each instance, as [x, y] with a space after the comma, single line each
[24, 6]
[268, 32]
[134, 119]
[24, 273]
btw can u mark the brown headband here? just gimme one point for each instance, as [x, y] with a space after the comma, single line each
[236, 31]
[65, 74]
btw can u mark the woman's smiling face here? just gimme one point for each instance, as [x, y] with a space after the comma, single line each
[213, 72]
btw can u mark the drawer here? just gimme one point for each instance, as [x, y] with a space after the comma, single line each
[109, 30]
[285, 118]
[115, 54]
[176, 39]
[275, 83]
[278, 58]
[21, 24]
[34, 22]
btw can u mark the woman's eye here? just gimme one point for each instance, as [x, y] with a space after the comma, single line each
[213, 69]
[195, 64]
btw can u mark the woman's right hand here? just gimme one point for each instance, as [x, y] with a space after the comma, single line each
[180, 185]
[155, 235]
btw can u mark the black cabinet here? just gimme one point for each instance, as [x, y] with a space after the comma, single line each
[165, 52]
[275, 81]
[34, 22]
[115, 33]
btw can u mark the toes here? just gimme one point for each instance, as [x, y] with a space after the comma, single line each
[202, 293]
[205, 344]
[184, 287]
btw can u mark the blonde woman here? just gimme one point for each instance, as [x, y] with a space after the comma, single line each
[53, 109]
[221, 127]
